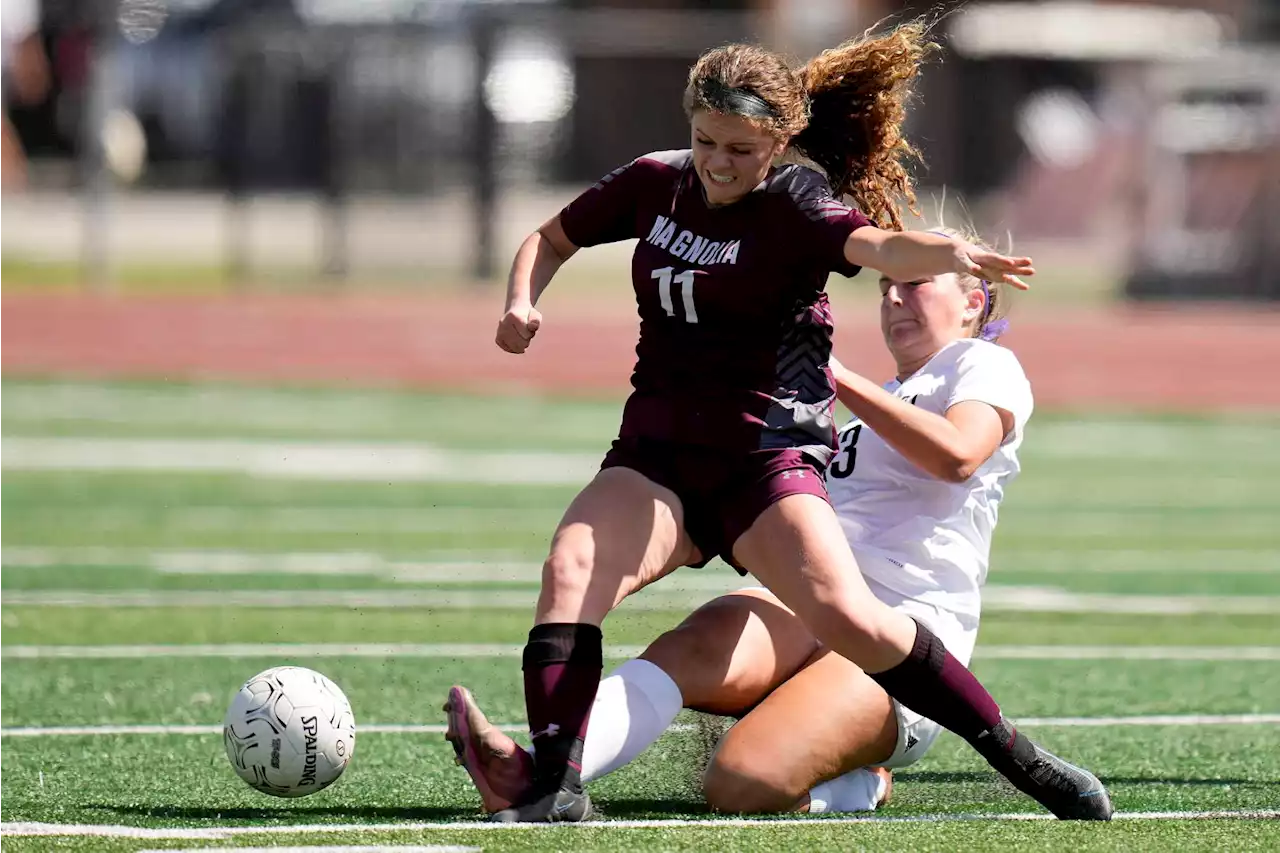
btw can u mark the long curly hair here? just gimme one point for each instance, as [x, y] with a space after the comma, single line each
[843, 110]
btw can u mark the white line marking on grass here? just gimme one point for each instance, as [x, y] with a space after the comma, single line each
[1184, 561]
[30, 829]
[1052, 600]
[427, 599]
[502, 599]
[500, 650]
[328, 520]
[364, 848]
[112, 731]
[201, 730]
[1155, 720]
[659, 597]
[78, 731]
[233, 562]
[1166, 653]
[223, 832]
[333, 461]
[474, 567]
[439, 728]
[288, 650]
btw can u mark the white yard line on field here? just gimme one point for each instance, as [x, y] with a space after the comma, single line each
[434, 728]
[670, 596]
[288, 650]
[498, 566]
[1054, 600]
[500, 650]
[179, 521]
[1155, 720]
[333, 461]
[1180, 561]
[469, 568]
[345, 848]
[1167, 653]
[222, 832]
[363, 848]
[428, 564]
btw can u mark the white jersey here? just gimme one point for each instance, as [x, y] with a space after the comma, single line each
[919, 536]
[20, 19]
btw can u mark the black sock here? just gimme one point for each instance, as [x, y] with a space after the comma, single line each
[563, 663]
[934, 684]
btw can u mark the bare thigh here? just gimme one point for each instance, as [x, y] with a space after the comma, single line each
[826, 720]
[797, 549]
[731, 652]
[621, 532]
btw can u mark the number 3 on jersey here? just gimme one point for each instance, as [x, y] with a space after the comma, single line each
[847, 456]
[665, 277]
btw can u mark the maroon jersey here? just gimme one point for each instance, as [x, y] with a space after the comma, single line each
[735, 329]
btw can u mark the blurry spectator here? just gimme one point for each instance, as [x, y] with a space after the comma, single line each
[25, 78]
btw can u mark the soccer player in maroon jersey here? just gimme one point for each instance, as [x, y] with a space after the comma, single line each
[729, 426]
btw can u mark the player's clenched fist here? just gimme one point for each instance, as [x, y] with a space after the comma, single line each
[517, 328]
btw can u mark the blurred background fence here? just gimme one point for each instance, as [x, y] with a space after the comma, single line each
[242, 141]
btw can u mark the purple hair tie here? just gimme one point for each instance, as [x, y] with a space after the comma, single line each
[990, 331]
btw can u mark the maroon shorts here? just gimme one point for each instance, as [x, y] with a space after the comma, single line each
[722, 493]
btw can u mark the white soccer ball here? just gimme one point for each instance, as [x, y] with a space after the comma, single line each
[289, 732]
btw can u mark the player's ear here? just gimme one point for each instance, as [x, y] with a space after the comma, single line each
[974, 304]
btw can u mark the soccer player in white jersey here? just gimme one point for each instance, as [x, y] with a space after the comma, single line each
[917, 483]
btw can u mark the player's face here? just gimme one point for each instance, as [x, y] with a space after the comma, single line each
[732, 155]
[919, 318]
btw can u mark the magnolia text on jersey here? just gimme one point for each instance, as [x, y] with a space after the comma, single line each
[689, 247]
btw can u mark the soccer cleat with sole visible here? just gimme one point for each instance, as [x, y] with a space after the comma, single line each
[1070, 792]
[501, 770]
[559, 806]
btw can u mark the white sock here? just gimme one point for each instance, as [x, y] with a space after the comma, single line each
[633, 707]
[856, 791]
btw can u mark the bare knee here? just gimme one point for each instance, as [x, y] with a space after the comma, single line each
[727, 655]
[698, 655]
[735, 784]
[568, 570]
[568, 595]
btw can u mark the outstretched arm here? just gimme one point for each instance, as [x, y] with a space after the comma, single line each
[948, 447]
[913, 255]
[539, 258]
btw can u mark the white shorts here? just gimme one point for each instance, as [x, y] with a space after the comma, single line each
[916, 733]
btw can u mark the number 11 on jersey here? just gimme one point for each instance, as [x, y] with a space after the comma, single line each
[665, 277]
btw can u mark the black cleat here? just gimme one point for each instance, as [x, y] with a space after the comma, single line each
[559, 806]
[1070, 792]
